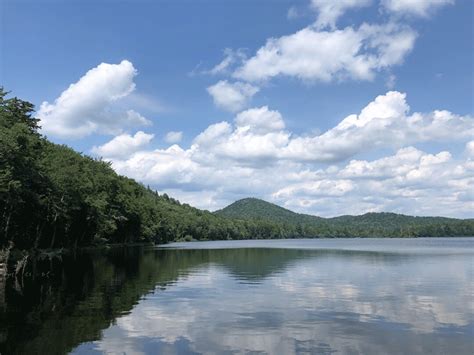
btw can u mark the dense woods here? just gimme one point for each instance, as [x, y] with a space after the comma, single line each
[52, 197]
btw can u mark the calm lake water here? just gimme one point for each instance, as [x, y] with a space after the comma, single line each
[343, 296]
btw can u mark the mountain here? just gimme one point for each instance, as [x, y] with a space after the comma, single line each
[381, 224]
[254, 208]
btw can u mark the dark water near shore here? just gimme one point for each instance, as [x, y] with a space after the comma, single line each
[344, 296]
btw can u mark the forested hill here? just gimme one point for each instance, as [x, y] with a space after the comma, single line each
[53, 197]
[254, 208]
[370, 224]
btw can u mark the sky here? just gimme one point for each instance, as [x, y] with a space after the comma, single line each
[323, 107]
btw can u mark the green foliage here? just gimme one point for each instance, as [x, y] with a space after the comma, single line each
[367, 225]
[53, 197]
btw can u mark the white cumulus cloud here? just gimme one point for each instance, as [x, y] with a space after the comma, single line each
[86, 107]
[313, 55]
[232, 96]
[260, 120]
[383, 123]
[256, 155]
[259, 136]
[410, 181]
[122, 146]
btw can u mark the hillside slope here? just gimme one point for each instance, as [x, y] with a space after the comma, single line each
[254, 208]
[370, 224]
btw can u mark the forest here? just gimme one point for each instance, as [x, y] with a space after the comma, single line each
[53, 197]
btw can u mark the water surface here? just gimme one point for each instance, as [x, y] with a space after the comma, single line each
[346, 296]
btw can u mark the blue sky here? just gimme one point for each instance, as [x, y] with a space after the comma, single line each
[172, 51]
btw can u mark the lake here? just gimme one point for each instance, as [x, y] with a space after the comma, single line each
[320, 296]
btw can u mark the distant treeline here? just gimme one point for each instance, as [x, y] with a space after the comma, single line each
[367, 225]
[52, 197]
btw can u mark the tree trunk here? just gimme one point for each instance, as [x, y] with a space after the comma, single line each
[39, 231]
[56, 215]
[53, 239]
[7, 225]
